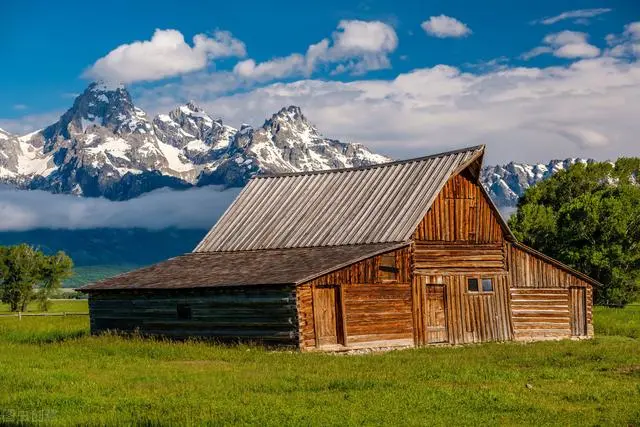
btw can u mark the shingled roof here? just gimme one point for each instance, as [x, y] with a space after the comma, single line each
[265, 267]
[375, 204]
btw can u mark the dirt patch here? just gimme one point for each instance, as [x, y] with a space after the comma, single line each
[629, 370]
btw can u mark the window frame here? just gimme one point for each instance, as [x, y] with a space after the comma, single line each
[480, 279]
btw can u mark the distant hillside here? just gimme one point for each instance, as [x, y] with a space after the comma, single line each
[99, 253]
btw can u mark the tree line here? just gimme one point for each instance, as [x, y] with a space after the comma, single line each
[27, 275]
[588, 217]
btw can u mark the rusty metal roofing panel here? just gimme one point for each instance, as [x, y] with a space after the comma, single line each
[374, 204]
[242, 268]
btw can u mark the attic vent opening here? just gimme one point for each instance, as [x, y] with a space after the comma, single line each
[184, 311]
[388, 268]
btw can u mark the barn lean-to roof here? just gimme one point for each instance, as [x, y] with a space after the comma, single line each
[243, 268]
[375, 204]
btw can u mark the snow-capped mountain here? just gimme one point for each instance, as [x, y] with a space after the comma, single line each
[105, 146]
[506, 183]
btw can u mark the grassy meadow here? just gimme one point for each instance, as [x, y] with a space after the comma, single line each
[53, 372]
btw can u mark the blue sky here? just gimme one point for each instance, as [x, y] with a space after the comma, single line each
[445, 65]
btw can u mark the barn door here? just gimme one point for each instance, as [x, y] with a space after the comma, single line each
[578, 304]
[435, 314]
[327, 315]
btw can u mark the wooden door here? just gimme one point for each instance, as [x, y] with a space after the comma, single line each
[578, 307]
[326, 303]
[435, 314]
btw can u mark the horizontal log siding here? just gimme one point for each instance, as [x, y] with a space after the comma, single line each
[530, 272]
[471, 317]
[436, 258]
[262, 314]
[460, 213]
[361, 274]
[378, 312]
[540, 313]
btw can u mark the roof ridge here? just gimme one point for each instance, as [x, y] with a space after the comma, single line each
[374, 166]
[288, 248]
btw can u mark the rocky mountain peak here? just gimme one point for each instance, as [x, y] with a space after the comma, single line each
[4, 134]
[100, 106]
[507, 183]
[104, 146]
[191, 105]
[104, 106]
[290, 114]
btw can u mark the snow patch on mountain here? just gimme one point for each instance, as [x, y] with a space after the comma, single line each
[507, 183]
[106, 146]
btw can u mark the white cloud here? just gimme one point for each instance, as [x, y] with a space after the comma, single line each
[626, 44]
[165, 55]
[587, 108]
[565, 44]
[355, 47]
[581, 16]
[536, 51]
[29, 123]
[445, 26]
[20, 107]
[355, 38]
[274, 69]
[26, 210]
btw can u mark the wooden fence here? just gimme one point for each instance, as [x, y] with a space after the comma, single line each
[20, 315]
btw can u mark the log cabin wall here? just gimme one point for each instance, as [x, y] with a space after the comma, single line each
[251, 313]
[544, 298]
[371, 309]
[460, 238]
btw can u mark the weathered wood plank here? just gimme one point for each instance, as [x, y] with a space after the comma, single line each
[266, 314]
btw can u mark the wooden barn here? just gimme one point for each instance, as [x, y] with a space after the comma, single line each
[407, 253]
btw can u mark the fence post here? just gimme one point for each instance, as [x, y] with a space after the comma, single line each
[19, 315]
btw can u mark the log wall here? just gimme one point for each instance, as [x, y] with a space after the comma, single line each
[379, 312]
[251, 313]
[543, 304]
[437, 257]
[366, 301]
[540, 313]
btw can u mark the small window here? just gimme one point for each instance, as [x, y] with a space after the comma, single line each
[388, 269]
[487, 285]
[472, 285]
[184, 311]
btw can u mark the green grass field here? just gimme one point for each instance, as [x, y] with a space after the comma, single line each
[52, 371]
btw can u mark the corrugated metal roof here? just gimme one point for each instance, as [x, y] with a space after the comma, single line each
[242, 268]
[374, 204]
